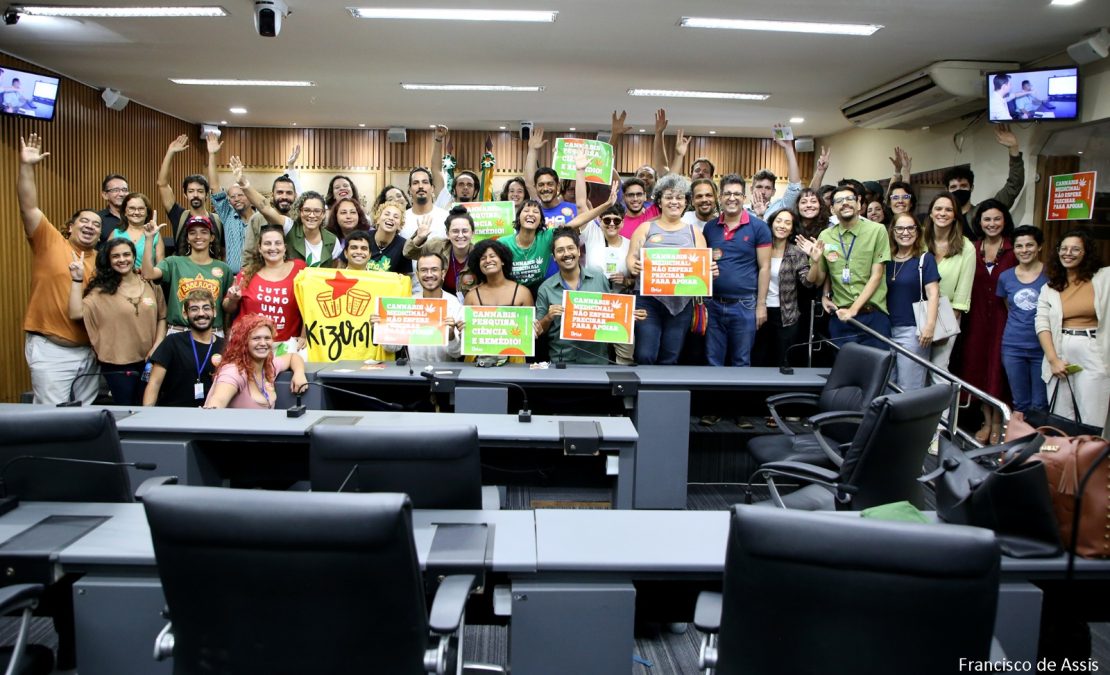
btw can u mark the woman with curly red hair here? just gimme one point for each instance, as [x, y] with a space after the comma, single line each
[248, 370]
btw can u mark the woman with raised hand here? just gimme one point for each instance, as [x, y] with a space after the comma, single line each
[124, 315]
[455, 248]
[188, 271]
[265, 286]
[1073, 326]
[249, 368]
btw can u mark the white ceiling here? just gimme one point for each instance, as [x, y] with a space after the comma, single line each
[587, 59]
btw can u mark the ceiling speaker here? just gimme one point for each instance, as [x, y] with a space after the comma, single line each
[397, 135]
[114, 100]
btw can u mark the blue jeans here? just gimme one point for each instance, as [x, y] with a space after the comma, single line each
[1023, 370]
[877, 320]
[730, 332]
[659, 337]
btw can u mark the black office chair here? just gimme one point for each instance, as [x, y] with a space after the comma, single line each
[880, 465]
[22, 658]
[437, 468]
[859, 374]
[812, 593]
[261, 582]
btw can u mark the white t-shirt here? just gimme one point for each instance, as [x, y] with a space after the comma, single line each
[691, 218]
[439, 229]
[607, 259]
[773, 287]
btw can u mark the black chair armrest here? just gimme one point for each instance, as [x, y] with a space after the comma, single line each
[450, 603]
[19, 596]
[789, 399]
[707, 612]
[834, 417]
[151, 483]
[800, 470]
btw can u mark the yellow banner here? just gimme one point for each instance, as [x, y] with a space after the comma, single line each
[336, 306]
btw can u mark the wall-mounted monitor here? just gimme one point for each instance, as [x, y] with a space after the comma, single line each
[1038, 94]
[28, 94]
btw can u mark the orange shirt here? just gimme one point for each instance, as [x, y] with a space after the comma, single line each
[48, 305]
[1079, 305]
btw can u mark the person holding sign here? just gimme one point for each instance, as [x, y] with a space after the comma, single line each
[455, 249]
[667, 319]
[431, 270]
[549, 301]
[545, 186]
[741, 244]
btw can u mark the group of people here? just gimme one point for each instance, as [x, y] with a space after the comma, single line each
[117, 293]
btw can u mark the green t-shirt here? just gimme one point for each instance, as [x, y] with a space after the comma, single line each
[530, 264]
[182, 275]
[856, 250]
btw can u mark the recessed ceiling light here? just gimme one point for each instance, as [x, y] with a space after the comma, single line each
[501, 128]
[293, 123]
[117, 12]
[223, 121]
[679, 93]
[361, 124]
[243, 83]
[642, 130]
[1079, 152]
[797, 120]
[1065, 3]
[573, 129]
[712, 132]
[440, 14]
[237, 110]
[781, 26]
[468, 87]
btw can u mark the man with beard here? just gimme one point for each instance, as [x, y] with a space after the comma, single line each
[183, 364]
[56, 347]
[420, 192]
[242, 221]
[763, 184]
[567, 251]
[465, 188]
[195, 188]
[545, 187]
[431, 270]
[703, 196]
[113, 189]
[283, 193]
[960, 180]
[851, 256]
[702, 168]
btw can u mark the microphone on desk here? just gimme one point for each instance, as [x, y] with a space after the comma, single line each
[8, 503]
[298, 409]
[71, 403]
[524, 415]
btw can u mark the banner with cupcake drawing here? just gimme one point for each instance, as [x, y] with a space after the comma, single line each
[336, 306]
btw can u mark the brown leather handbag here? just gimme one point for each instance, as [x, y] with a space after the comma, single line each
[1079, 482]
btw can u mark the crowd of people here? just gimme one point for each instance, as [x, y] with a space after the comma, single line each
[116, 293]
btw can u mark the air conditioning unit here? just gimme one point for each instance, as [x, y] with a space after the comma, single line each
[937, 93]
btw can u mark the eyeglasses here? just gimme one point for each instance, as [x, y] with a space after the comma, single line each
[732, 195]
[117, 190]
[633, 195]
[312, 212]
[900, 198]
[612, 220]
[841, 200]
[906, 229]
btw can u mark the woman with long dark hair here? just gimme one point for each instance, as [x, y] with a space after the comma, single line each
[249, 368]
[982, 341]
[955, 256]
[265, 286]
[515, 191]
[124, 315]
[1073, 326]
[789, 268]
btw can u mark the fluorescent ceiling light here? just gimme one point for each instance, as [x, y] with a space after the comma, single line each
[468, 87]
[237, 111]
[797, 120]
[1065, 2]
[443, 14]
[781, 26]
[117, 12]
[678, 93]
[243, 83]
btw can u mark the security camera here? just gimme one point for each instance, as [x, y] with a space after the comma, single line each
[268, 15]
[11, 17]
[526, 130]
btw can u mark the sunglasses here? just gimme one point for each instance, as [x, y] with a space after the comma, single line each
[611, 220]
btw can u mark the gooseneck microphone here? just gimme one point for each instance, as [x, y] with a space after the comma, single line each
[524, 415]
[298, 409]
[8, 503]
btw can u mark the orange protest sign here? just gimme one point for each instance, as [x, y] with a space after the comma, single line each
[597, 317]
[676, 271]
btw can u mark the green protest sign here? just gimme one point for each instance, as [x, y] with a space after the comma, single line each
[567, 151]
[491, 219]
[499, 331]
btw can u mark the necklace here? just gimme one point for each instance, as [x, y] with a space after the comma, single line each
[133, 300]
[895, 268]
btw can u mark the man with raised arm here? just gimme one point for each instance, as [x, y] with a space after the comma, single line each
[57, 348]
[465, 188]
[960, 180]
[545, 186]
[763, 184]
[195, 188]
[421, 192]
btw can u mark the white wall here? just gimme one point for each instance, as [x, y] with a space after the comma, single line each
[863, 153]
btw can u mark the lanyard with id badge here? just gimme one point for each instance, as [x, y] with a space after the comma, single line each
[846, 273]
[198, 386]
